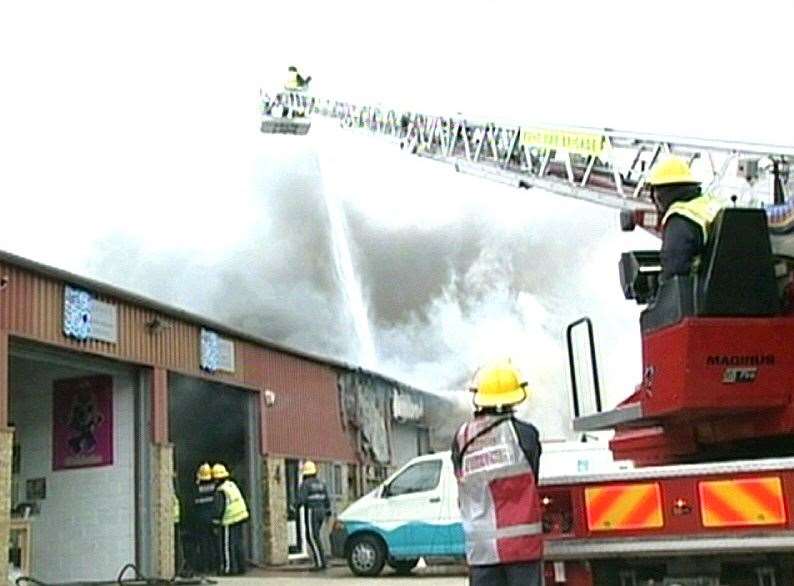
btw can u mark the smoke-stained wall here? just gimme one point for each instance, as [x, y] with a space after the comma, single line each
[387, 421]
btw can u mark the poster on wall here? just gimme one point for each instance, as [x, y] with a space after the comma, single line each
[82, 431]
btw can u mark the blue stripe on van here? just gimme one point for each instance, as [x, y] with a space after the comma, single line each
[416, 538]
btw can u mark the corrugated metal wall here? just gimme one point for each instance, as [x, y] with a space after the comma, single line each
[304, 422]
[306, 418]
[31, 306]
[405, 443]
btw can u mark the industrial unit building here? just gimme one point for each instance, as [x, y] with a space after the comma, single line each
[109, 402]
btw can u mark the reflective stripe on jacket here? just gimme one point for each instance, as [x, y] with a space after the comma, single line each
[235, 510]
[499, 501]
[701, 210]
[176, 509]
[204, 502]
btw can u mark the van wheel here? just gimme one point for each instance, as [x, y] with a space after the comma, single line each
[403, 567]
[366, 556]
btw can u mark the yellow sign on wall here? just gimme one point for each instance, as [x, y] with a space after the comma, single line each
[580, 143]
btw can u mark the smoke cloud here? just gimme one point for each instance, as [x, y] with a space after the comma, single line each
[490, 272]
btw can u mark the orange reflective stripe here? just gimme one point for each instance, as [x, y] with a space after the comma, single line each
[622, 507]
[749, 501]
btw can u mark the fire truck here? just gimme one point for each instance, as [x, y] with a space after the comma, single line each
[710, 426]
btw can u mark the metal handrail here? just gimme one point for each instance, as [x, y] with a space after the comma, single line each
[572, 365]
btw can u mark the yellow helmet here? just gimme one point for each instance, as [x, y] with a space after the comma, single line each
[498, 385]
[670, 171]
[309, 468]
[204, 473]
[219, 472]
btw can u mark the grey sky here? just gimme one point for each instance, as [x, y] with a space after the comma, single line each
[131, 153]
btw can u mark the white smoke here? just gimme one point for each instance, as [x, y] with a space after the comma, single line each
[468, 271]
[497, 273]
[475, 320]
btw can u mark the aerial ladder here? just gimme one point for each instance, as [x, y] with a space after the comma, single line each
[600, 165]
[710, 427]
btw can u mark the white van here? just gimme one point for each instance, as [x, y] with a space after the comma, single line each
[414, 513]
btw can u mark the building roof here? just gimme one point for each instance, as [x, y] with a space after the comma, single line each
[182, 314]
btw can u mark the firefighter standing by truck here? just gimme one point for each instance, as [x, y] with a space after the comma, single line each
[230, 514]
[496, 459]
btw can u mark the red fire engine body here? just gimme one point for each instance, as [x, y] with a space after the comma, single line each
[717, 523]
[710, 427]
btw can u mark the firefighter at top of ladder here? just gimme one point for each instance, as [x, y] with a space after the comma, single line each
[295, 81]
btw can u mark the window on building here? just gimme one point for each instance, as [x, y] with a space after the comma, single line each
[420, 477]
[422, 441]
[338, 484]
[333, 476]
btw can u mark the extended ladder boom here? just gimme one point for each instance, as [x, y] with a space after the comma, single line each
[603, 166]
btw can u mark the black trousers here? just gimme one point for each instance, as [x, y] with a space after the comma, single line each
[521, 574]
[206, 550]
[231, 555]
[313, 521]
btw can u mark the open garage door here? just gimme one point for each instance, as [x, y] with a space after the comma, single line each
[212, 422]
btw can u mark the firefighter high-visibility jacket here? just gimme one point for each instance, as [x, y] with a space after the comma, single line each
[234, 508]
[176, 509]
[686, 228]
[499, 503]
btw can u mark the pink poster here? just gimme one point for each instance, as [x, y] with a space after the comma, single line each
[82, 412]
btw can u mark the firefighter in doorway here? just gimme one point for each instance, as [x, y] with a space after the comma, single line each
[206, 547]
[496, 459]
[313, 497]
[230, 514]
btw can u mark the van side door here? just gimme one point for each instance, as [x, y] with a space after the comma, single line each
[450, 540]
[414, 501]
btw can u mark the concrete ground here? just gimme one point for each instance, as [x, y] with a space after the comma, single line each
[342, 576]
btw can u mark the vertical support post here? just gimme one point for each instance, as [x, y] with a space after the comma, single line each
[274, 515]
[164, 541]
[163, 491]
[3, 379]
[6, 452]
[159, 406]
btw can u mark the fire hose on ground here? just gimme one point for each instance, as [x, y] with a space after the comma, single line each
[138, 579]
